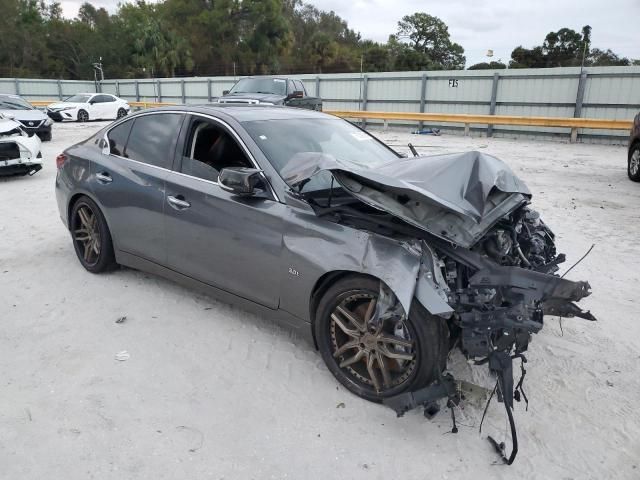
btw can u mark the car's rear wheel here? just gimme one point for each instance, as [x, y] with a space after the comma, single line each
[377, 359]
[83, 116]
[633, 169]
[91, 236]
[121, 113]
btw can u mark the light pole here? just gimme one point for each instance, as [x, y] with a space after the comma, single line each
[97, 67]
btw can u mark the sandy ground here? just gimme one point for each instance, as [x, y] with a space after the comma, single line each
[210, 392]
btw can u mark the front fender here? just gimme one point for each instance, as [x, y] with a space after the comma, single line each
[312, 251]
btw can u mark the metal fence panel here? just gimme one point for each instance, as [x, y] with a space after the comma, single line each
[609, 92]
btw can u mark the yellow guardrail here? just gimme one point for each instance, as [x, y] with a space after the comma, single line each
[565, 122]
[468, 120]
[150, 104]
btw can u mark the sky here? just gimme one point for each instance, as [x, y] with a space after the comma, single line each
[481, 25]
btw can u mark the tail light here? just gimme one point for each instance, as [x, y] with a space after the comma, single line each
[60, 159]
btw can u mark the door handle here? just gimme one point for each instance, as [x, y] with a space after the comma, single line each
[104, 177]
[179, 203]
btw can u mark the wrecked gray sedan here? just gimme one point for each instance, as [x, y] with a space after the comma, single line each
[386, 262]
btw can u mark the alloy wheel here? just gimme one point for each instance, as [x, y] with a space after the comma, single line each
[87, 235]
[83, 116]
[121, 113]
[634, 162]
[378, 354]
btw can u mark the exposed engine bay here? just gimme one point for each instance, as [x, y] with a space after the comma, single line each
[488, 262]
[522, 240]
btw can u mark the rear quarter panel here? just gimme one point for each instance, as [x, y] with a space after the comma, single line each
[73, 179]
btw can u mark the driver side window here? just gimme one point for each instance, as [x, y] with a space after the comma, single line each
[210, 148]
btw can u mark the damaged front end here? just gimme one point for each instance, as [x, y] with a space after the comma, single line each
[19, 153]
[499, 292]
[488, 263]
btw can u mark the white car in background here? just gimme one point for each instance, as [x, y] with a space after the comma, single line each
[19, 153]
[89, 106]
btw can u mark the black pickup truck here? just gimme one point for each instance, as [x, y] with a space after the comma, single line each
[271, 91]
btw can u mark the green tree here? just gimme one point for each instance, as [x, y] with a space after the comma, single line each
[430, 35]
[601, 58]
[492, 65]
[565, 48]
[155, 49]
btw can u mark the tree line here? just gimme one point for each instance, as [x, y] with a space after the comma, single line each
[242, 37]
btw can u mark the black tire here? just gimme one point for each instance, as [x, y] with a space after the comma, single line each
[94, 261]
[121, 113]
[429, 337]
[83, 116]
[633, 164]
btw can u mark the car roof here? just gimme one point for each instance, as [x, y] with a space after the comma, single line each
[247, 113]
[266, 76]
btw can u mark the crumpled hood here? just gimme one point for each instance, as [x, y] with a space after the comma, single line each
[457, 197]
[259, 97]
[8, 125]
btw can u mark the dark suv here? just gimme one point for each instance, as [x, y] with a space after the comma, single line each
[633, 168]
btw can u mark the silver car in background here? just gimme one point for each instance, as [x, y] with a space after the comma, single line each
[32, 120]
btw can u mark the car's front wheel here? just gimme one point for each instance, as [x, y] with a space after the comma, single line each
[91, 236]
[633, 169]
[375, 358]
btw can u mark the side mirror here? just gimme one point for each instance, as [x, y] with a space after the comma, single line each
[240, 180]
[297, 94]
[91, 102]
[225, 92]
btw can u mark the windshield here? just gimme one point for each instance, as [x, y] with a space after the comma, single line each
[276, 86]
[291, 140]
[11, 103]
[78, 99]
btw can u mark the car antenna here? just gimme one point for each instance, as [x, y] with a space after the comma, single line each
[413, 150]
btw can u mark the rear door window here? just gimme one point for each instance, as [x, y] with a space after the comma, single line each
[153, 139]
[104, 98]
[118, 137]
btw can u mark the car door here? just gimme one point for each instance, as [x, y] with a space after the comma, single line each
[305, 101]
[94, 107]
[128, 180]
[228, 241]
[106, 107]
